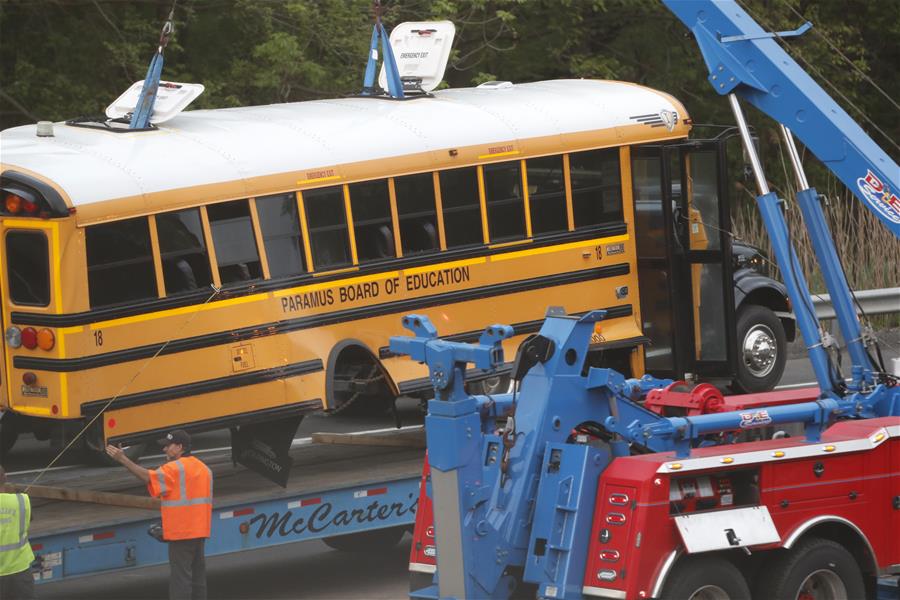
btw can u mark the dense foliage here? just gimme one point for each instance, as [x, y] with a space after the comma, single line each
[65, 58]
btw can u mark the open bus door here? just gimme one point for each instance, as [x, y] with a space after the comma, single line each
[682, 229]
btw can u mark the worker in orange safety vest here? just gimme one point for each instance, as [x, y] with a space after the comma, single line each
[184, 484]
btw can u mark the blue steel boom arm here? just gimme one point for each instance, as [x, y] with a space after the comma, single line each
[745, 61]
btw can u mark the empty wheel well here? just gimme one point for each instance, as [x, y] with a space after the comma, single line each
[353, 368]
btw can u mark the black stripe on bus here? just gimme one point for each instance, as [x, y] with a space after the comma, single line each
[525, 327]
[89, 409]
[256, 287]
[256, 331]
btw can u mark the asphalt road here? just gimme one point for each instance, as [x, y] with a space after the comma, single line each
[300, 570]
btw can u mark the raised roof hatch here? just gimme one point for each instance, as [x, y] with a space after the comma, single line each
[421, 49]
[171, 99]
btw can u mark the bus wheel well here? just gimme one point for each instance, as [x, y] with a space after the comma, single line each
[776, 302]
[356, 381]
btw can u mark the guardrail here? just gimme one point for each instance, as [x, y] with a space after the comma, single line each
[873, 302]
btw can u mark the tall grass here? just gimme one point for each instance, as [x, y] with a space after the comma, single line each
[869, 252]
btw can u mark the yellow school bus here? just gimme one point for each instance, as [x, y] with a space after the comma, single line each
[241, 265]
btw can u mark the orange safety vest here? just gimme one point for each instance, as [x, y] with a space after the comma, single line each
[185, 488]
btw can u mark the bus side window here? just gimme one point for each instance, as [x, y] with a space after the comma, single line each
[120, 262]
[182, 249]
[234, 241]
[370, 203]
[326, 220]
[546, 194]
[28, 267]
[505, 201]
[461, 206]
[596, 187]
[416, 212]
[280, 226]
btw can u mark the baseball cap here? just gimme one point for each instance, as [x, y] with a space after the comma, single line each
[176, 436]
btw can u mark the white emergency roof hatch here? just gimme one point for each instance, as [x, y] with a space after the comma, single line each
[422, 50]
[171, 99]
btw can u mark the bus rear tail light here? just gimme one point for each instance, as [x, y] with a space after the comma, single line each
[45, 339]
[29, 338]
[13, 337]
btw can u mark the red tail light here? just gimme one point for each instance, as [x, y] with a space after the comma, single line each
[609, 555]
[29, 338]
[615, 518]
[30, 208]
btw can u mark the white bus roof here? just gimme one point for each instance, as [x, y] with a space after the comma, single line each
[239, 145]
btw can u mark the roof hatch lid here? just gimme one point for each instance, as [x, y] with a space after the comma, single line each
[421, 49]
[171, 99]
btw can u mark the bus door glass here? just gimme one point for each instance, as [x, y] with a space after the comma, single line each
[654, 238]
[703, 225]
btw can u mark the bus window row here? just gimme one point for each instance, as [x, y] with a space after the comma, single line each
[245, 240]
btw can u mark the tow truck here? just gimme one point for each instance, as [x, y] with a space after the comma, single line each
[582, 483]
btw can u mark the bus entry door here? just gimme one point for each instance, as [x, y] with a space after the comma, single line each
[682, 225]
[704, 226]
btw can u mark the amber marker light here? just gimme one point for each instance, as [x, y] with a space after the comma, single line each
[29, 338]
[828, 448]
[674, 466]
[878, 437]
[13, 203]
[778, 454]
[45, 339]
[727, 460]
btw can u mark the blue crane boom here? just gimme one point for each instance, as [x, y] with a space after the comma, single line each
[743, 58]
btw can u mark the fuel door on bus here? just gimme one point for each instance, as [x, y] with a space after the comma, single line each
[242, 357]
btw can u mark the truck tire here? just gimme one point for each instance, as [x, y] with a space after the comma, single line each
[705, 578]
[815, 568]
[366, 541]
[762, 347]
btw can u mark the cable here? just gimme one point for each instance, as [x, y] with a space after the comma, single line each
[847, 60]
[795, 52]
[137, 374]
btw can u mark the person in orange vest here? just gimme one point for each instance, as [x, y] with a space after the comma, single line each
[184, 484]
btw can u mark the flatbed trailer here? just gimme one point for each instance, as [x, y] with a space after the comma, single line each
[347, 495]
